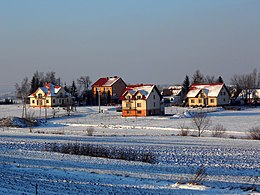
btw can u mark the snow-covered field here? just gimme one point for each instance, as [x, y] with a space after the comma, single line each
[231, 165]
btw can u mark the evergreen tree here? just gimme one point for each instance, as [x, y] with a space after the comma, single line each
[73, 90]
[220, 80]
[66, 88]
[186, 85]
[34, 84]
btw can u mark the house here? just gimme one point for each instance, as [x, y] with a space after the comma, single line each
[172, 95]
[50, 96]
[141, 100]
[208, 95]
[108, 90]
[249, 96]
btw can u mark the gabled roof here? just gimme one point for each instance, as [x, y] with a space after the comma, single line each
[49, 90]
[144, 90]
[211, 90]
[106, 82]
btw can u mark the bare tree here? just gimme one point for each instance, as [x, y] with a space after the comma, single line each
[84, 83]
[201, 121]
[198, 77]
[22, 92]
[210, 79]
[84, 92]
[51, 78]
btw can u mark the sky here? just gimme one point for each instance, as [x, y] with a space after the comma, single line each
[142, 41]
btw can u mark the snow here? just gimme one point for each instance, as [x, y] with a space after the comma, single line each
[232, 165]
[212, 90]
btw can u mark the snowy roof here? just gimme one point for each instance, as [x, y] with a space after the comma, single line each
[211, 90]
[50, 90]
[106, 82]
[175, 90]
[144, 90]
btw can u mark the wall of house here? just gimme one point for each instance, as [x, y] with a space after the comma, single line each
[196, 101]
[153, 102]
[223, 97]
[132, 112]
[101, 90]
[134, 107]
[118, 89]
[212, 101]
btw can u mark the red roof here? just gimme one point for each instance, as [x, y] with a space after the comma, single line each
[100, 82]
[107, 81]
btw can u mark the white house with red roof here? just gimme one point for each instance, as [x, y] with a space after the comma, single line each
[141, 100]
[109, 89]
[208, 95]
[50, 96]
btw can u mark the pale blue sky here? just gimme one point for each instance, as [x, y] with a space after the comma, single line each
[143, 41]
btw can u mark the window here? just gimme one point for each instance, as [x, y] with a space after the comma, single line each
[139, 105]
[154, 104]
[154, 97]
[192, 101]
[40, 95]
[47, 101]
[53, 101]
[224, 93]
[128, 112]
[139, 112]
[200, 101]
[139, 97]
[33, 101]
[212, 101]
[224, 100]
[128, 105]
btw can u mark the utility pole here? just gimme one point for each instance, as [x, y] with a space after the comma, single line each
[98, 101]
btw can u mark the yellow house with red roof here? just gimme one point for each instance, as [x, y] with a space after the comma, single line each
[141, 100]
[211, 95]
[50, 96]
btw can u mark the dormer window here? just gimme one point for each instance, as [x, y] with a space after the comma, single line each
[139, 97]
[40, 95]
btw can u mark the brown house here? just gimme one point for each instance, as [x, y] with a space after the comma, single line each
[108, 90]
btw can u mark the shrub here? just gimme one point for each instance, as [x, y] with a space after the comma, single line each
[199, 176]
[184, 130]
[102, 151]
[254, 133]
[90, 131]
[218, 131]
